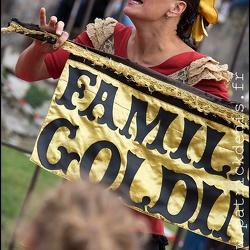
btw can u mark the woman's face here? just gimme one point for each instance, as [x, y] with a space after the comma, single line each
[148, 10]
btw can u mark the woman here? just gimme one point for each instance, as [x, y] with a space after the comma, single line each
[163, 39]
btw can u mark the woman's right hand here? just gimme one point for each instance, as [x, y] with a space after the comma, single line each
[30, 65]
[54, 26]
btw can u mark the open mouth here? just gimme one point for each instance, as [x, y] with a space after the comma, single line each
[137, 1]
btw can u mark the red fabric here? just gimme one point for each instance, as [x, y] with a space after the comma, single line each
[156, 226]
[55, 63]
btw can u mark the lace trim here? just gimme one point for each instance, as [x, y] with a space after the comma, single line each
[108, 45]
[204, 68]
[208, 68]
[181, 75]
[100, 30]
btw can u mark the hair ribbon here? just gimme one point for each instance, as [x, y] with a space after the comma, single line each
[207, 10]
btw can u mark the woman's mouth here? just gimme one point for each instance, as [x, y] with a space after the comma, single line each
[136, 1]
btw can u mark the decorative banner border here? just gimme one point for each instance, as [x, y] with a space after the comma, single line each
[179, 153]
[175, 163]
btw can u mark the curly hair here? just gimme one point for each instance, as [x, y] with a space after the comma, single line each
[185, 24]
[85, 216]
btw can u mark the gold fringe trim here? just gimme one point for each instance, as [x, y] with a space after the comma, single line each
[15, 27]
[192, 100]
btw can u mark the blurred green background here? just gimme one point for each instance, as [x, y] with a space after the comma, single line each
[16, 175]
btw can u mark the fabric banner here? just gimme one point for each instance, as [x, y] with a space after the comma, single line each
[179, 165]
[179, 154]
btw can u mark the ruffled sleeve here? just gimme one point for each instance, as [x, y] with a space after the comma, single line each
[208, 69]
[100, 30]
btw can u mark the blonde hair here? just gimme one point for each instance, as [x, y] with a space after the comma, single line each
[85, 216]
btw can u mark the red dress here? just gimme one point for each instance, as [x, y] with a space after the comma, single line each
[55, 63]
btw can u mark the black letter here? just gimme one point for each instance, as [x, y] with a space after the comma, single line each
[45, 139]
[190, 128]
[213, 138]
[169, 180]
[133, 164]
[108, 104]
[140, 109]
[72, 87]
[222, 232]
[165, 119]
[90, 155]
[137, 107]
[210, 195]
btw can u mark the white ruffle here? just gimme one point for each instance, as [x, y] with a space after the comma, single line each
[100, 30]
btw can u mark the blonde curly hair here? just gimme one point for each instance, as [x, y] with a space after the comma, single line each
[85, 216]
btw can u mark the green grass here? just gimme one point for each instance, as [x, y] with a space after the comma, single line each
[16, 175]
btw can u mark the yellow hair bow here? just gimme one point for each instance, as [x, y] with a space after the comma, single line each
[206, 10]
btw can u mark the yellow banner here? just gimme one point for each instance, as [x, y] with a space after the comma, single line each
[175, 164]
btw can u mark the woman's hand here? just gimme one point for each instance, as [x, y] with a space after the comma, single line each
[31, 65]
[55, 27]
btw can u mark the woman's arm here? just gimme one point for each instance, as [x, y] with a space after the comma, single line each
[30, 65]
